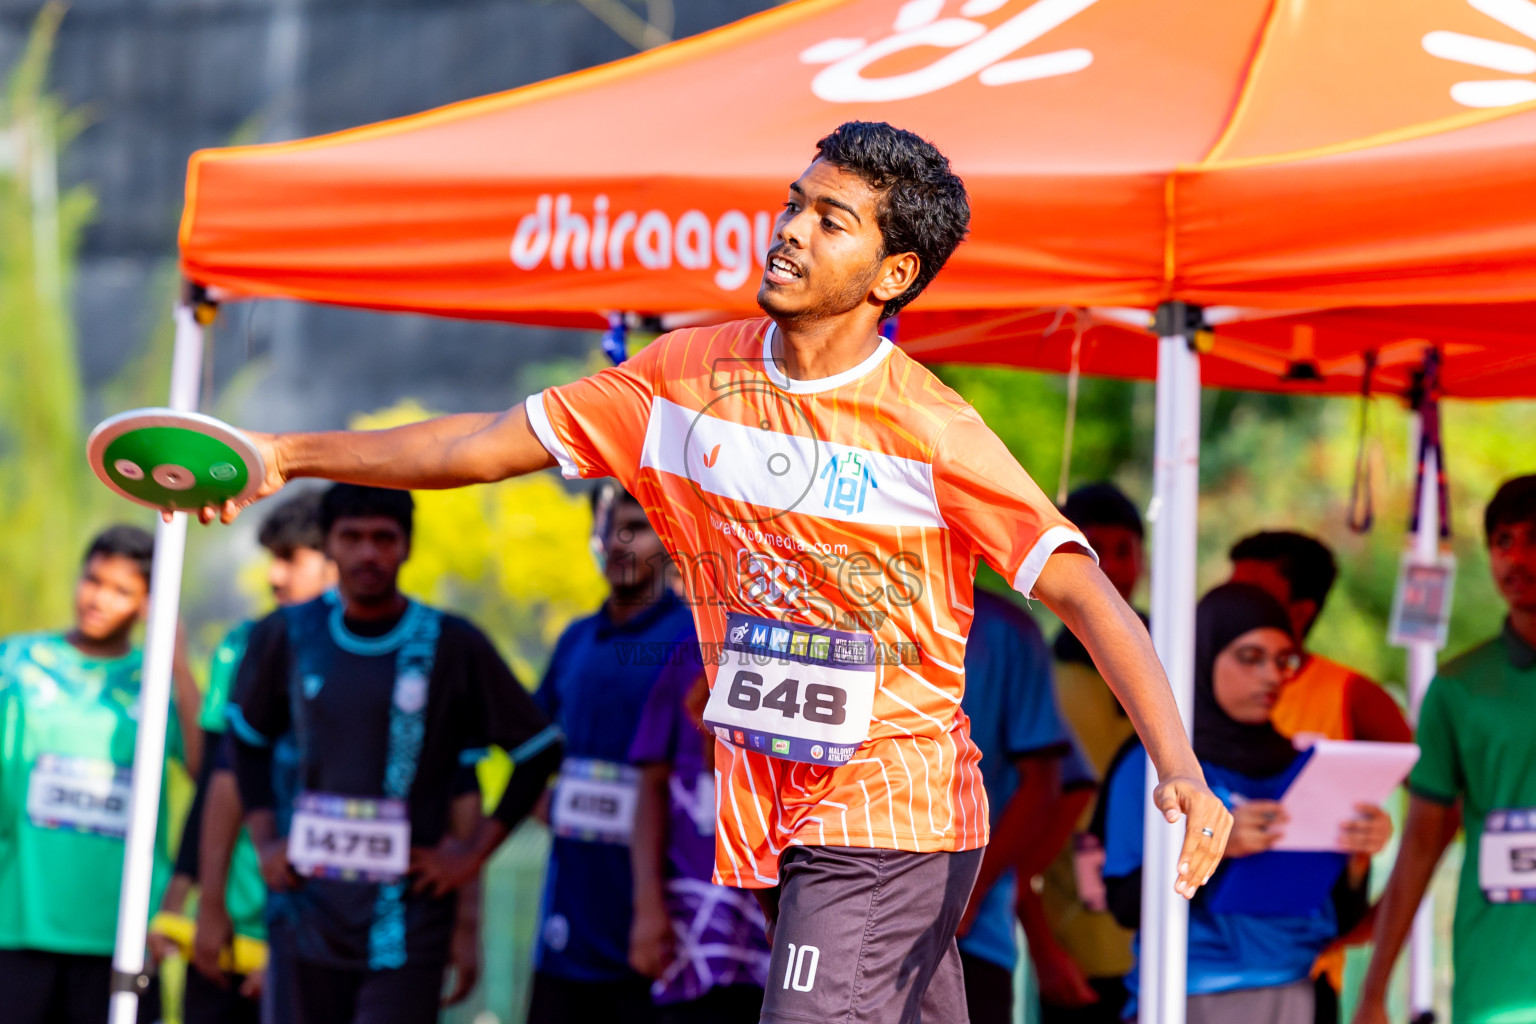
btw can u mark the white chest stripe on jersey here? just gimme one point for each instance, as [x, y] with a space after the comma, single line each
[786, 472]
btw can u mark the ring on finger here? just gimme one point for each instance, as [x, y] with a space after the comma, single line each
[1208, 833]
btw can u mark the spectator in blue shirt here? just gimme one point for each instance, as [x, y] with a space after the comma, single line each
[1243, 966]
[599, 677]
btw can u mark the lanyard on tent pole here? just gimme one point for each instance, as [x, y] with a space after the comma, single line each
[1362, 505]
[616, 348]
[1421, 606]
[1427, 404]
[616, 339]
[1074, 378]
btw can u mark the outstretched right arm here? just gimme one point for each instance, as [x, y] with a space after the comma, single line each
[450, 451]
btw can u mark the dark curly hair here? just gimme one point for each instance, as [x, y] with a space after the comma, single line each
[349, 501]
[123, 541]
[923, 206]
[1514, 503]
[1305, 562]
[1102, 504]
[292, 525]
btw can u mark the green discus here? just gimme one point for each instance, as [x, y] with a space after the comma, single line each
[174, 460]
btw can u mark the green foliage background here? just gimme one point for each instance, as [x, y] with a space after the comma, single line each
[1283, 462]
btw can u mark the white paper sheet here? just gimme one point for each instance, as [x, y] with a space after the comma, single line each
[1341, 774]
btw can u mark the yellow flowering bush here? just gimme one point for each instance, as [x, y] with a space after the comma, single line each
[513, 557]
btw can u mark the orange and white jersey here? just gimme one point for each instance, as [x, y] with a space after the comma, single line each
[828, 533]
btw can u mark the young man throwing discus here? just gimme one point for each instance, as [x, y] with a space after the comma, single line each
[826, 499]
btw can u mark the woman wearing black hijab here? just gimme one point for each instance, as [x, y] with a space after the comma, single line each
[1243, 967]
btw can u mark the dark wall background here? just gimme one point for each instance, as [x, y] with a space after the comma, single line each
[162, 78]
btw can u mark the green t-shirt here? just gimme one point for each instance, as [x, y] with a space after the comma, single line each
[245, 897]
[222, 668]
[68, 724]
[1477, 731]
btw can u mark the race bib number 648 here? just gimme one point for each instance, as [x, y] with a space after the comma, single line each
[794, 692]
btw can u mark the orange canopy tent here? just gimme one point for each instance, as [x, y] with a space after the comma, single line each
[1487, 351]
[1323, 178]
[1265, 155]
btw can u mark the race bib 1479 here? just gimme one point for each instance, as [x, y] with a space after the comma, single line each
[349, 838]
[795, 692]
[80, 793]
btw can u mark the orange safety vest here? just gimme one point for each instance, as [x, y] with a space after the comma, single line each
[1316, 701]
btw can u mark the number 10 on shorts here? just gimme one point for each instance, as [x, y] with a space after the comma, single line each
[800, 967]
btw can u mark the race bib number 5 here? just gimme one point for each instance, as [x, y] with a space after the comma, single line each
[1506, 858]
[349, 838]
[794, 692]
[79, 793]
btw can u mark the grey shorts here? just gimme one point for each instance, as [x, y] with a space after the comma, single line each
[1295, 1003]
[867, 936]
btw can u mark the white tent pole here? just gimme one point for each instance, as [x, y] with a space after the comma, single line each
[1175, 494]
[154, 705]
[1422, 657]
